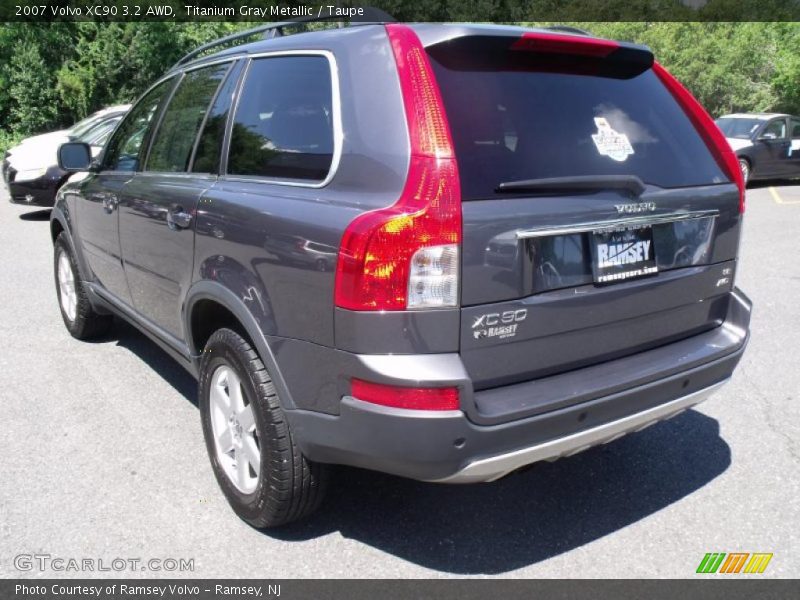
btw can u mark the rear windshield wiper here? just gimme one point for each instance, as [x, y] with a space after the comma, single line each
[579, 184]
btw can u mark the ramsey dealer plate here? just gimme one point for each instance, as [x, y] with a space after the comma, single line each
[623, 254]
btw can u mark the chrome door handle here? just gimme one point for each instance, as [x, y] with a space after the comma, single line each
[110, 203]
[178, 218]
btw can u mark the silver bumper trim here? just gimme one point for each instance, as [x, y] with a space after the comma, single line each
[495, 467]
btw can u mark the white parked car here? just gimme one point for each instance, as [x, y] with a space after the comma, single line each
[46, 144]
[30, 169]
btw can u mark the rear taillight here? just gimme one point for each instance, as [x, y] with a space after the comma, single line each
[406, 255]
[708, 130]
[405, 397]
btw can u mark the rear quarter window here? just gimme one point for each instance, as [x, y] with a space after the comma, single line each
[512, 120]
[283, 127]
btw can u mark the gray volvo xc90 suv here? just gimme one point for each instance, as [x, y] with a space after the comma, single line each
[532, 238]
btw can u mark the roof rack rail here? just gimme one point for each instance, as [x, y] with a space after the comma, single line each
[369, 16]
[568, 29]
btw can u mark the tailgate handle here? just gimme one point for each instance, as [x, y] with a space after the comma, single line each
[615, 223]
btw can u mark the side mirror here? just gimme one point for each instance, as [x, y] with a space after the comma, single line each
[74, 156]
[768, 136]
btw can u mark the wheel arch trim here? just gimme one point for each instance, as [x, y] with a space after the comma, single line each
[216, 292]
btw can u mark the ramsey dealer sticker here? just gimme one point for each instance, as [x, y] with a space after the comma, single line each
[611, 143]
[623, 254]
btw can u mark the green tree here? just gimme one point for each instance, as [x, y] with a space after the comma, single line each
[52, 74]
[31, 96]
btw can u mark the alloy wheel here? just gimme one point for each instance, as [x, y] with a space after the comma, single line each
[68, 296]
[233, 425]
[745, 167]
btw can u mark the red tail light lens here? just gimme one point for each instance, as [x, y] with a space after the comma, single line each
[409, 398]
[375, 255]
[708, 130]
[555, 43]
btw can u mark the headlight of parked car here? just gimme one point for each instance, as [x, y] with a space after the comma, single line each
[29, 174]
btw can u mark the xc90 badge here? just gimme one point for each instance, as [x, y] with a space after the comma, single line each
[500, 324]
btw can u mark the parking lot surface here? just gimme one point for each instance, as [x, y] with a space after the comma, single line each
[103, 458]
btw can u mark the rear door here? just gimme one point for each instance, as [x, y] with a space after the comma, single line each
[597, 223]
[157, 212]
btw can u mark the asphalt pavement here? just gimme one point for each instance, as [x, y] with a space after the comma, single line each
[102, 458]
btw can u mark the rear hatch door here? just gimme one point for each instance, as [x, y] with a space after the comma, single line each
[597, 222]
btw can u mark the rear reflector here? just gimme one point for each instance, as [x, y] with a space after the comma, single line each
[556, 43]
[403, 397]
[708, 130]
[374, 269]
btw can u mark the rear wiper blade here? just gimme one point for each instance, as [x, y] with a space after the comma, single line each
[580, 184]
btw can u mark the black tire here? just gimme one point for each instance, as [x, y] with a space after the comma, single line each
[289, 486]
[87, 323]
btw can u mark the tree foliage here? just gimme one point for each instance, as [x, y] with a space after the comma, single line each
[727, 66]
[52, 74]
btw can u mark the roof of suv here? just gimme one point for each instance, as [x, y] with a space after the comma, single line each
[430, 33]
[763, 116]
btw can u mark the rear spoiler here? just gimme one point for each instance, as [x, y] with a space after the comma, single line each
[541, 50]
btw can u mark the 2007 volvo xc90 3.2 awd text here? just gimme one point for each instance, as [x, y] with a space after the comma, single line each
[532, 237]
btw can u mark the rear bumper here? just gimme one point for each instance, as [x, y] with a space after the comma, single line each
[453, 447]
[494, 467]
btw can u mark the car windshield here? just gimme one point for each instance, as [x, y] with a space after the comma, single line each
[98, 132]
[82, 127]
[738, 127]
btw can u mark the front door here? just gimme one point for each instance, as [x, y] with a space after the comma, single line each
[102, 193]
[774, 149]
[98, 224]
[794, 148]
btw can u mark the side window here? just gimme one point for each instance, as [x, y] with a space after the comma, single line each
[776, 129]
[209, 147]
[795, 123]
[124, 150]
[284, 122]
[175, 137]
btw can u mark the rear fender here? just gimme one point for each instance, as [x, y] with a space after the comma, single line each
[249, 320]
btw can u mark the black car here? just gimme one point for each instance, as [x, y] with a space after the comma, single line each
[439, 251]
[31, 171]
[766, 144]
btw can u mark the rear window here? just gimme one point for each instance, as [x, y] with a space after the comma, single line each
[514, 117]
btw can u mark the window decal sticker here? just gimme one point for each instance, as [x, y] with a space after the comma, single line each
[611, 143]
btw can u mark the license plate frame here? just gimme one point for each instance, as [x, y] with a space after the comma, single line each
[622, 254]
